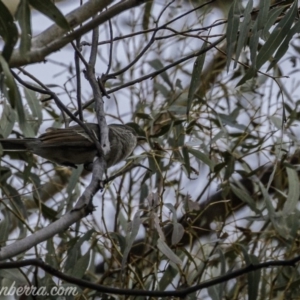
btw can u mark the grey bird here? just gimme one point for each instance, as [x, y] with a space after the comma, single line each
[72, 146]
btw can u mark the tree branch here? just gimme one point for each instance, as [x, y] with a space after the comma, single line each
[131, 292]
[53, 38]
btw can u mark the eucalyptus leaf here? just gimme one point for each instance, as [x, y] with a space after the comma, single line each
[131, 235]
[8, 31]
[232, 30]
[15, 97]
[47, 8]
[195, 79]
[157, 65]
[293, 194]
[164, 249]
[23, 15]
[244, 31]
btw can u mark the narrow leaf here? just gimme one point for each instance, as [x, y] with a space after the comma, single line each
[177, 234]
[178, 230]
[232, 30]
[284, 45]
[71, 187]
[195, 79]
[270, 20]
[293, 194]
[264, 7]
[7, 120]
[186, 160]
[81, 265]
[47, 8]
[244, 196]
[268, 202]
[253, 43]
[23, 16]
[272, 43]
[157, 65]
[253, 277]
[157, 226]
[244, 31]
[163, 247]
[147, 14]
[8, 31]
[130, 238]
[203, 157]
[35, 107]
[277, 36]
[14, 96]
[167, 277]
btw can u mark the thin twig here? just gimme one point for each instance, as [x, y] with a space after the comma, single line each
[110, 47]
[157, 72]
[78, 80]
[132, 292]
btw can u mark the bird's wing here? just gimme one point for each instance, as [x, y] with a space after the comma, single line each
[71, 136]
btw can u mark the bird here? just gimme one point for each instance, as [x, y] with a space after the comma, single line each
[73, 146]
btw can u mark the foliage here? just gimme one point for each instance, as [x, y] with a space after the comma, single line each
[216, 188]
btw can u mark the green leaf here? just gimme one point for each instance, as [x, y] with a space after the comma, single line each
[23, 16]
[157, 65]
[164, 249]
[8, 31]
[186, 159]
[284, 45]
[253, 277]
[147, 14]
[163, 130]
[51, 255]
[243, 194]
[231, 121]
[178, 230]
[244, 31]
[81, 265]
[119, 239]
[73, 182]
[74, 251]
[5, 224]
[48, 212]
[264, 7]
[167, 277]
[177, 234]
[293, 194]
[14, 275]
[203, 157]
[275, 39]
[131, 235]
[15, 97]
[277, 36]
[7, 120]
[216, 291]
[5, 173]
[161, 88]
[47, 8]
[268, 201]
[213, 292]
[35, 107]
[195, 79]
[232, 30]
[19, 206]
[275, 218]
[270, 20]
[253, 43]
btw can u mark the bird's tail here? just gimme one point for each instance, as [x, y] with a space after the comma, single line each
[16, 144]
